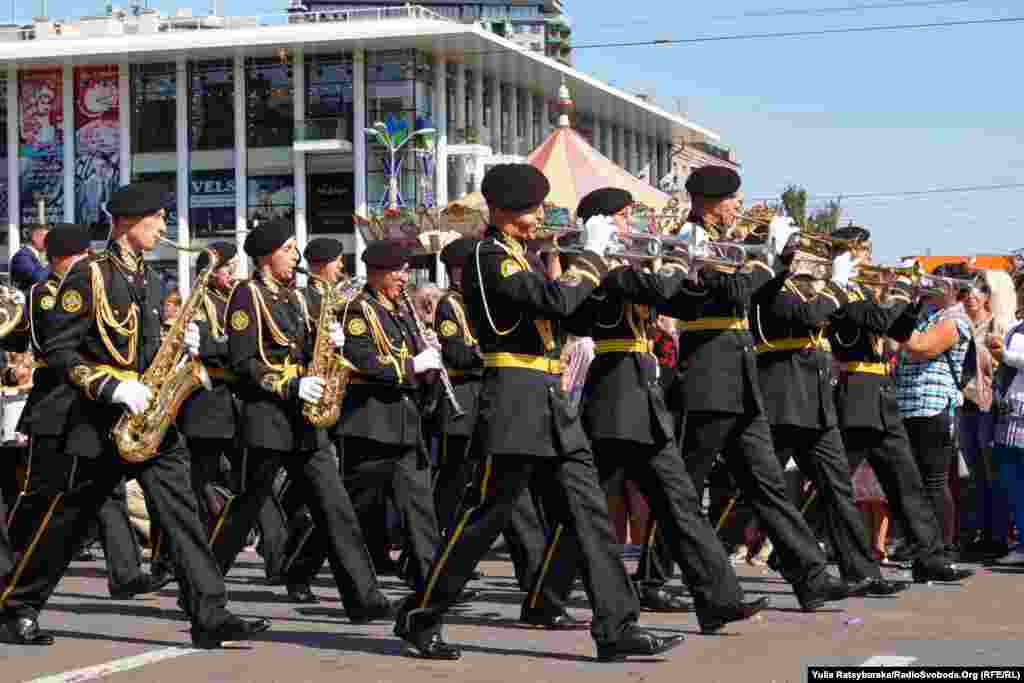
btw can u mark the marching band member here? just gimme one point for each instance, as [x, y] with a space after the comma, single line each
[633, 432]
[529, 434]
[102, 332]
[381, 419]
[460, 453]
[723, 407]
[270, 347]
[869, 416]
[794, 365]
[45, 416]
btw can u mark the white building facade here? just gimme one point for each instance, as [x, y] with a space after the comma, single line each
[248, 119]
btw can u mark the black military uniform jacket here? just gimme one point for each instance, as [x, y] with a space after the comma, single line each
[793, 358]
[623, 398]
[269, 350]
[519, 314]
[461, 353]
[50, 398]
[866, 395]
[381, 402]
[717, 362]
[211, 414]
[104, 328]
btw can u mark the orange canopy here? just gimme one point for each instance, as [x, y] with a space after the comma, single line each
[984, 262]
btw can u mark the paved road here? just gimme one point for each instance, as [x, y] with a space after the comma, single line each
[146, 638]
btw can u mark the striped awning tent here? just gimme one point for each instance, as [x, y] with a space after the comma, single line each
[575, 169]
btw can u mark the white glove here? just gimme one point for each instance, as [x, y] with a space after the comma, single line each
[17, 296]
[192, 339]
[843, 268]
[598, 233]
[337, 335]
[134, 395]
[311, 389]
[431, 340]
[427, 360]
[780, 230]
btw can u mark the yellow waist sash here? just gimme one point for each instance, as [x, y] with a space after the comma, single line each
[523, 361]
[796, 344]
[866, 368]
[623, 346]
[706, 324]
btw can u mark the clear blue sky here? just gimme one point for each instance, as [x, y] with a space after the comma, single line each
[857, 113]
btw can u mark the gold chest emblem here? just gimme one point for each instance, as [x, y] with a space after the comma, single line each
[239, 321]
[356, 327]
[71, 301]
[47, 302]
[510, 267]
[449, 328]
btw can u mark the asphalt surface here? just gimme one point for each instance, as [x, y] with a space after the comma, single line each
[146, 639]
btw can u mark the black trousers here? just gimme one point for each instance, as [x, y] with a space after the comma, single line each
[70, 492]
[206, 473]
[372, 468]
[931, 443]
[660, 474]
[821, 457]
[330, 506]
[6, 551]
[525, 534]
[581, 537]
[889, 454]
[746, 443]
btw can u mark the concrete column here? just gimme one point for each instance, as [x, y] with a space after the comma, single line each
[528, 113]
[460, 124]
[359, 150]
[620, 147]
[241, 156]
[69, 143]
[496, 146]
[124, 98]
[441, 124]
[181, 154]
[13, 180]
[545, 118]
[599, 136]
[513, 119]
[478, 103]
[299, 160]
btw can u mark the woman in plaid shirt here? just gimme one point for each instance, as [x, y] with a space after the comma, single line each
[928, 390]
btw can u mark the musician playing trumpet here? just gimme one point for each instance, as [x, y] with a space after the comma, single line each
[270, 348]
[381, 413]
[103, 332]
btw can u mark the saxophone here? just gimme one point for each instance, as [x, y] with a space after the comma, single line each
[171, 377]
[327, 363]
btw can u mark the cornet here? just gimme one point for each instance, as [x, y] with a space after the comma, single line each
[926, 283]
[636, 245]
[728, 255]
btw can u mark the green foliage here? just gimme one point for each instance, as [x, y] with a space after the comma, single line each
[824, 220]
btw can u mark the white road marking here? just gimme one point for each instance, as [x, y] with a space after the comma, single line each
[91, 673]
[889, 660]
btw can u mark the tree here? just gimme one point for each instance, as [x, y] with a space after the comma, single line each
[824, 220]
[795, 201]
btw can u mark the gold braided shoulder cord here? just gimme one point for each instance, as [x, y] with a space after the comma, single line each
[128, 327]
[483, 297]
[460, 315]
[262, 312]
[386, 351]
[216, 328]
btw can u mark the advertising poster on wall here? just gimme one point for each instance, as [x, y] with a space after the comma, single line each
[331, 203]
[211, 202]
[41, 144]
[271, 197]
[97, 140]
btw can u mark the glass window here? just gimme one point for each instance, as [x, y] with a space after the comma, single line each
[470, 12]
[212, 148]
[4, 184]
[154, 134]
[330, 202]
[271, 197]
[536, 28]
[269, 104]
[41, 144]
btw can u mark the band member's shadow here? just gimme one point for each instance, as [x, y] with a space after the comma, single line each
[110, 638]
[999, 569]
[118, 607]
[87, 571]
[799, 610]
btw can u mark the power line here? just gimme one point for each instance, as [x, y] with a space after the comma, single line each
[851, 8]
[906, 193]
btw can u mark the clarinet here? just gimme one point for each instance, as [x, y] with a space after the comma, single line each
[449, 390]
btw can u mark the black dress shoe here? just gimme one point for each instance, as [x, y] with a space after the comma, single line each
[660, 600]
[550, 620]
[828, 590]
[429, 645]
[712, 620]
[277, 580]
[84, 555]
[946, 573]
[140, 585]
[467, 595]
[24, 631]
[379, 611]
[234, 628]
[636, 642]
[301, 594]
[875, 586]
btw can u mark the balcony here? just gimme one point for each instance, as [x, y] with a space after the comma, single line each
[322, 135]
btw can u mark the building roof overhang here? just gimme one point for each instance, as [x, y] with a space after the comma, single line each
[470, 44]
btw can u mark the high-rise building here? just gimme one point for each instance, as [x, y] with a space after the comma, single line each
[538, 25]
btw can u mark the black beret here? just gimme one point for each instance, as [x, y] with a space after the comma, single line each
[225, 252]
[852, 232]
[516, 187]
[607, 201]
[386, 255]
[455, 253]
[267, 237]
[713, 181]
[138, 199]
[323, 250]
[67, 239]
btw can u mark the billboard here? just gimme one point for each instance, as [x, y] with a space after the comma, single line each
[41, 144]
[97, 141]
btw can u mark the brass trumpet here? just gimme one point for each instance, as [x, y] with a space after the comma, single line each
[927, 283]
[715, 254]
[636, 245]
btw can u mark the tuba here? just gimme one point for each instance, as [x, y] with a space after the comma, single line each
[11, 311]
[328, 364]
[172, 377]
